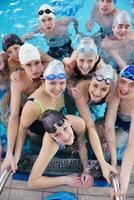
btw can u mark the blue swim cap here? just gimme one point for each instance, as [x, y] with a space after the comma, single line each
[128, 72]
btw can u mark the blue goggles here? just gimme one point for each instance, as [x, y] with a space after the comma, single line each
[51, 77]
[127, 74]
[100, 78]
[86, 50]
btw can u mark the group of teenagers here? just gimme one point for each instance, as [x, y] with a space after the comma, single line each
[50, 96]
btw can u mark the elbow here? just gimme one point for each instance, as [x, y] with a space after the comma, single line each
[32, 184]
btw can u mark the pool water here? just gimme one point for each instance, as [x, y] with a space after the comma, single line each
[20, 16]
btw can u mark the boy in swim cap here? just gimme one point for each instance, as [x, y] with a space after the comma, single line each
[29, 80]
[120, 113]
[55, 32]
[120, 44]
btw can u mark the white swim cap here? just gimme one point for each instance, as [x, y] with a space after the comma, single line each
[106, 71]
[122, 18]
[45, 10]
[27, 53]
[56, 68]
[86, 46]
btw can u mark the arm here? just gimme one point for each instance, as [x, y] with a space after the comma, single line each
[128, 160]
[65, 21]
[30, 113]
[30, 35]
[93, 137]
[36, 180]
[12, 125]
[110, 128]
[91, 20]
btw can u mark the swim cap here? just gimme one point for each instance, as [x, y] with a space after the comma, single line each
[122, 18]
[86, 46]
[27, 53]
[49, 118]
[10, 40]
[55, 67]
[45, 10]
[106, 71]
[128, 72]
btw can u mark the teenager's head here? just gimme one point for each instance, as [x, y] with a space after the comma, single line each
[86, 55]
[121, 25]
[11, 44]
[54, 78]
[29, 58]
[125, 86]
[56, 124]
[106, 6]
[101, 83]
[46, 17]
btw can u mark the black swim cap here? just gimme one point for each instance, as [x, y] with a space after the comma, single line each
[51, 117]
[10, 40]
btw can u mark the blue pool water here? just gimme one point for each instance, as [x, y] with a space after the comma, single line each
[20, 16]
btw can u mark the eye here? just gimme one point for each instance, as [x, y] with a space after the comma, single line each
[15, 48]
[49, 19]
[65, 128]
[81, 60]
[95, 85]
[28, 65]
[104, 89]
[37, 62]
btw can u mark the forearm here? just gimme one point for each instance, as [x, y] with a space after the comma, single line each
[95, 143]
[127, 164]
[19, 143]
[75, 24]
[118, 59]
[111, 140]
[12, 133]
[84, 156]
[46, 182]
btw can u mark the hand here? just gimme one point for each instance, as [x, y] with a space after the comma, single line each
[28, 36]
[15, 76]
[9, 161]
[87, 180]
[75, 93]
[89, 26]
[107, 170]
[74, 180]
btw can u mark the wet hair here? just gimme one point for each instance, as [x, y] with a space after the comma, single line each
[10, 40]
[51, 117]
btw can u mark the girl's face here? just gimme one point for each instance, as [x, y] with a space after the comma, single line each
[106, 6]
[125, 88]
[121, 31]
[33, 69]
[48, 23]
[98, 90]
[86, 63]
[64, 134]
[55, 87]
[13, 52]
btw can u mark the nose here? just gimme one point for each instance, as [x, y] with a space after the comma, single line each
[104, 3]
[35, 68]
[65, 137]
[85, 65]
[97, 92]
[125, 89]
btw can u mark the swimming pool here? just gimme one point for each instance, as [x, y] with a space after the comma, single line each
[20, 16]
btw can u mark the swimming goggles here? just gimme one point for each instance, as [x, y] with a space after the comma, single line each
[54, 129]
[87, 50]
[51, 77]
[47, 11]
[100, 78]
[127, 74]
